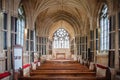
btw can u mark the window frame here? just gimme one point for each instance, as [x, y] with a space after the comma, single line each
[104, 29]
[20, 26]
[61, 39]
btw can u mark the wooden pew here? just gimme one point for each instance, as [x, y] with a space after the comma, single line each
[60, 73]
[54, 62]
[82, 70]
[60, 70]
[62, 78]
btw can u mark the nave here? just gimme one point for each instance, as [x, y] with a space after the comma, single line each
[86, 31]
[62, 70]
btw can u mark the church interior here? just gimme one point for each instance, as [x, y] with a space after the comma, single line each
[60, 40]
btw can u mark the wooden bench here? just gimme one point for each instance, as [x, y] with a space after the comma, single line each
[64, 73]
[62, 78]
[59, 70]
[65, 62]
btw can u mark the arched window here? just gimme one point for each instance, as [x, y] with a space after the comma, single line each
[20, 26]
[61, 39]
[104, 29]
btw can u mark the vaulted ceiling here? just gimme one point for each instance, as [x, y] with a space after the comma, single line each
[75, 14]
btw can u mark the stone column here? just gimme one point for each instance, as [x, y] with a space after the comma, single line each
[116, 43]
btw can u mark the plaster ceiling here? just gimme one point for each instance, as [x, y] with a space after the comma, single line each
[46, 13]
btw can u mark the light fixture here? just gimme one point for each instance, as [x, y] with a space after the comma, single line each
[25, 32]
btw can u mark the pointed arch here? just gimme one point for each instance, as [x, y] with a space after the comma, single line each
[20, 25]
[61, 38]
[104, 28]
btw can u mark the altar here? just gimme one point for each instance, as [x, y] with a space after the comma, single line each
[61, 53]
[60, 56]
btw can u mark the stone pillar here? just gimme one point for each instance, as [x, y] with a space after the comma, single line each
[116, 44]
[95, 53]
[9, 38]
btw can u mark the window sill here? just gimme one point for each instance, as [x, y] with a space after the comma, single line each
[102, 54]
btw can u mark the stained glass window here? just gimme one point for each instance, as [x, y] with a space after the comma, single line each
[20, 26]
[104, 28]
[61, 39]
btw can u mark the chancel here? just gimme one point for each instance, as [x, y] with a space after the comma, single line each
[60, 40]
